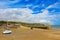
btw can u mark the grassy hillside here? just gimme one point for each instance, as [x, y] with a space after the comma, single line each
[23, 23]
[31, 25]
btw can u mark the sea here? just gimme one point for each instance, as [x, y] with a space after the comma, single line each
[56, 27]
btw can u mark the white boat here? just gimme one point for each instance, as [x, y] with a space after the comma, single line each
[7, 32]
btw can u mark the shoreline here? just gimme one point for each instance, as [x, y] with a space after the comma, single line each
[56, 28]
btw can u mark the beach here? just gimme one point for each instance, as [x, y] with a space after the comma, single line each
[25, 33]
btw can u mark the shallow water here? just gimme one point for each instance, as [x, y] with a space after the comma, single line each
[56, 27]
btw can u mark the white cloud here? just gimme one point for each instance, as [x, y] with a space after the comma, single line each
[7, 3]
[43, 5]
[10, 1]
[55, 5]
[28, 5]
[36, 6]
[45, 22]
[13, 1]
[25, 15]
[3, 5]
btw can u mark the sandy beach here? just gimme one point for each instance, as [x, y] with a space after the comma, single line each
[25, 33]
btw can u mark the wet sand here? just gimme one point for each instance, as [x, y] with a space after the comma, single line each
[24, 33]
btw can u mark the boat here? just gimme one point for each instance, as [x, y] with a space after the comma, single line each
[7, 32]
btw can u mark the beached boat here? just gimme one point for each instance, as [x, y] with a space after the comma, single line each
[7, 32]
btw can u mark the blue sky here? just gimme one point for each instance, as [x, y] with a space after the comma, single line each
[31, 11]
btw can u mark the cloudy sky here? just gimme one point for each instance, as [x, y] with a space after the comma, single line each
[31, 11]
